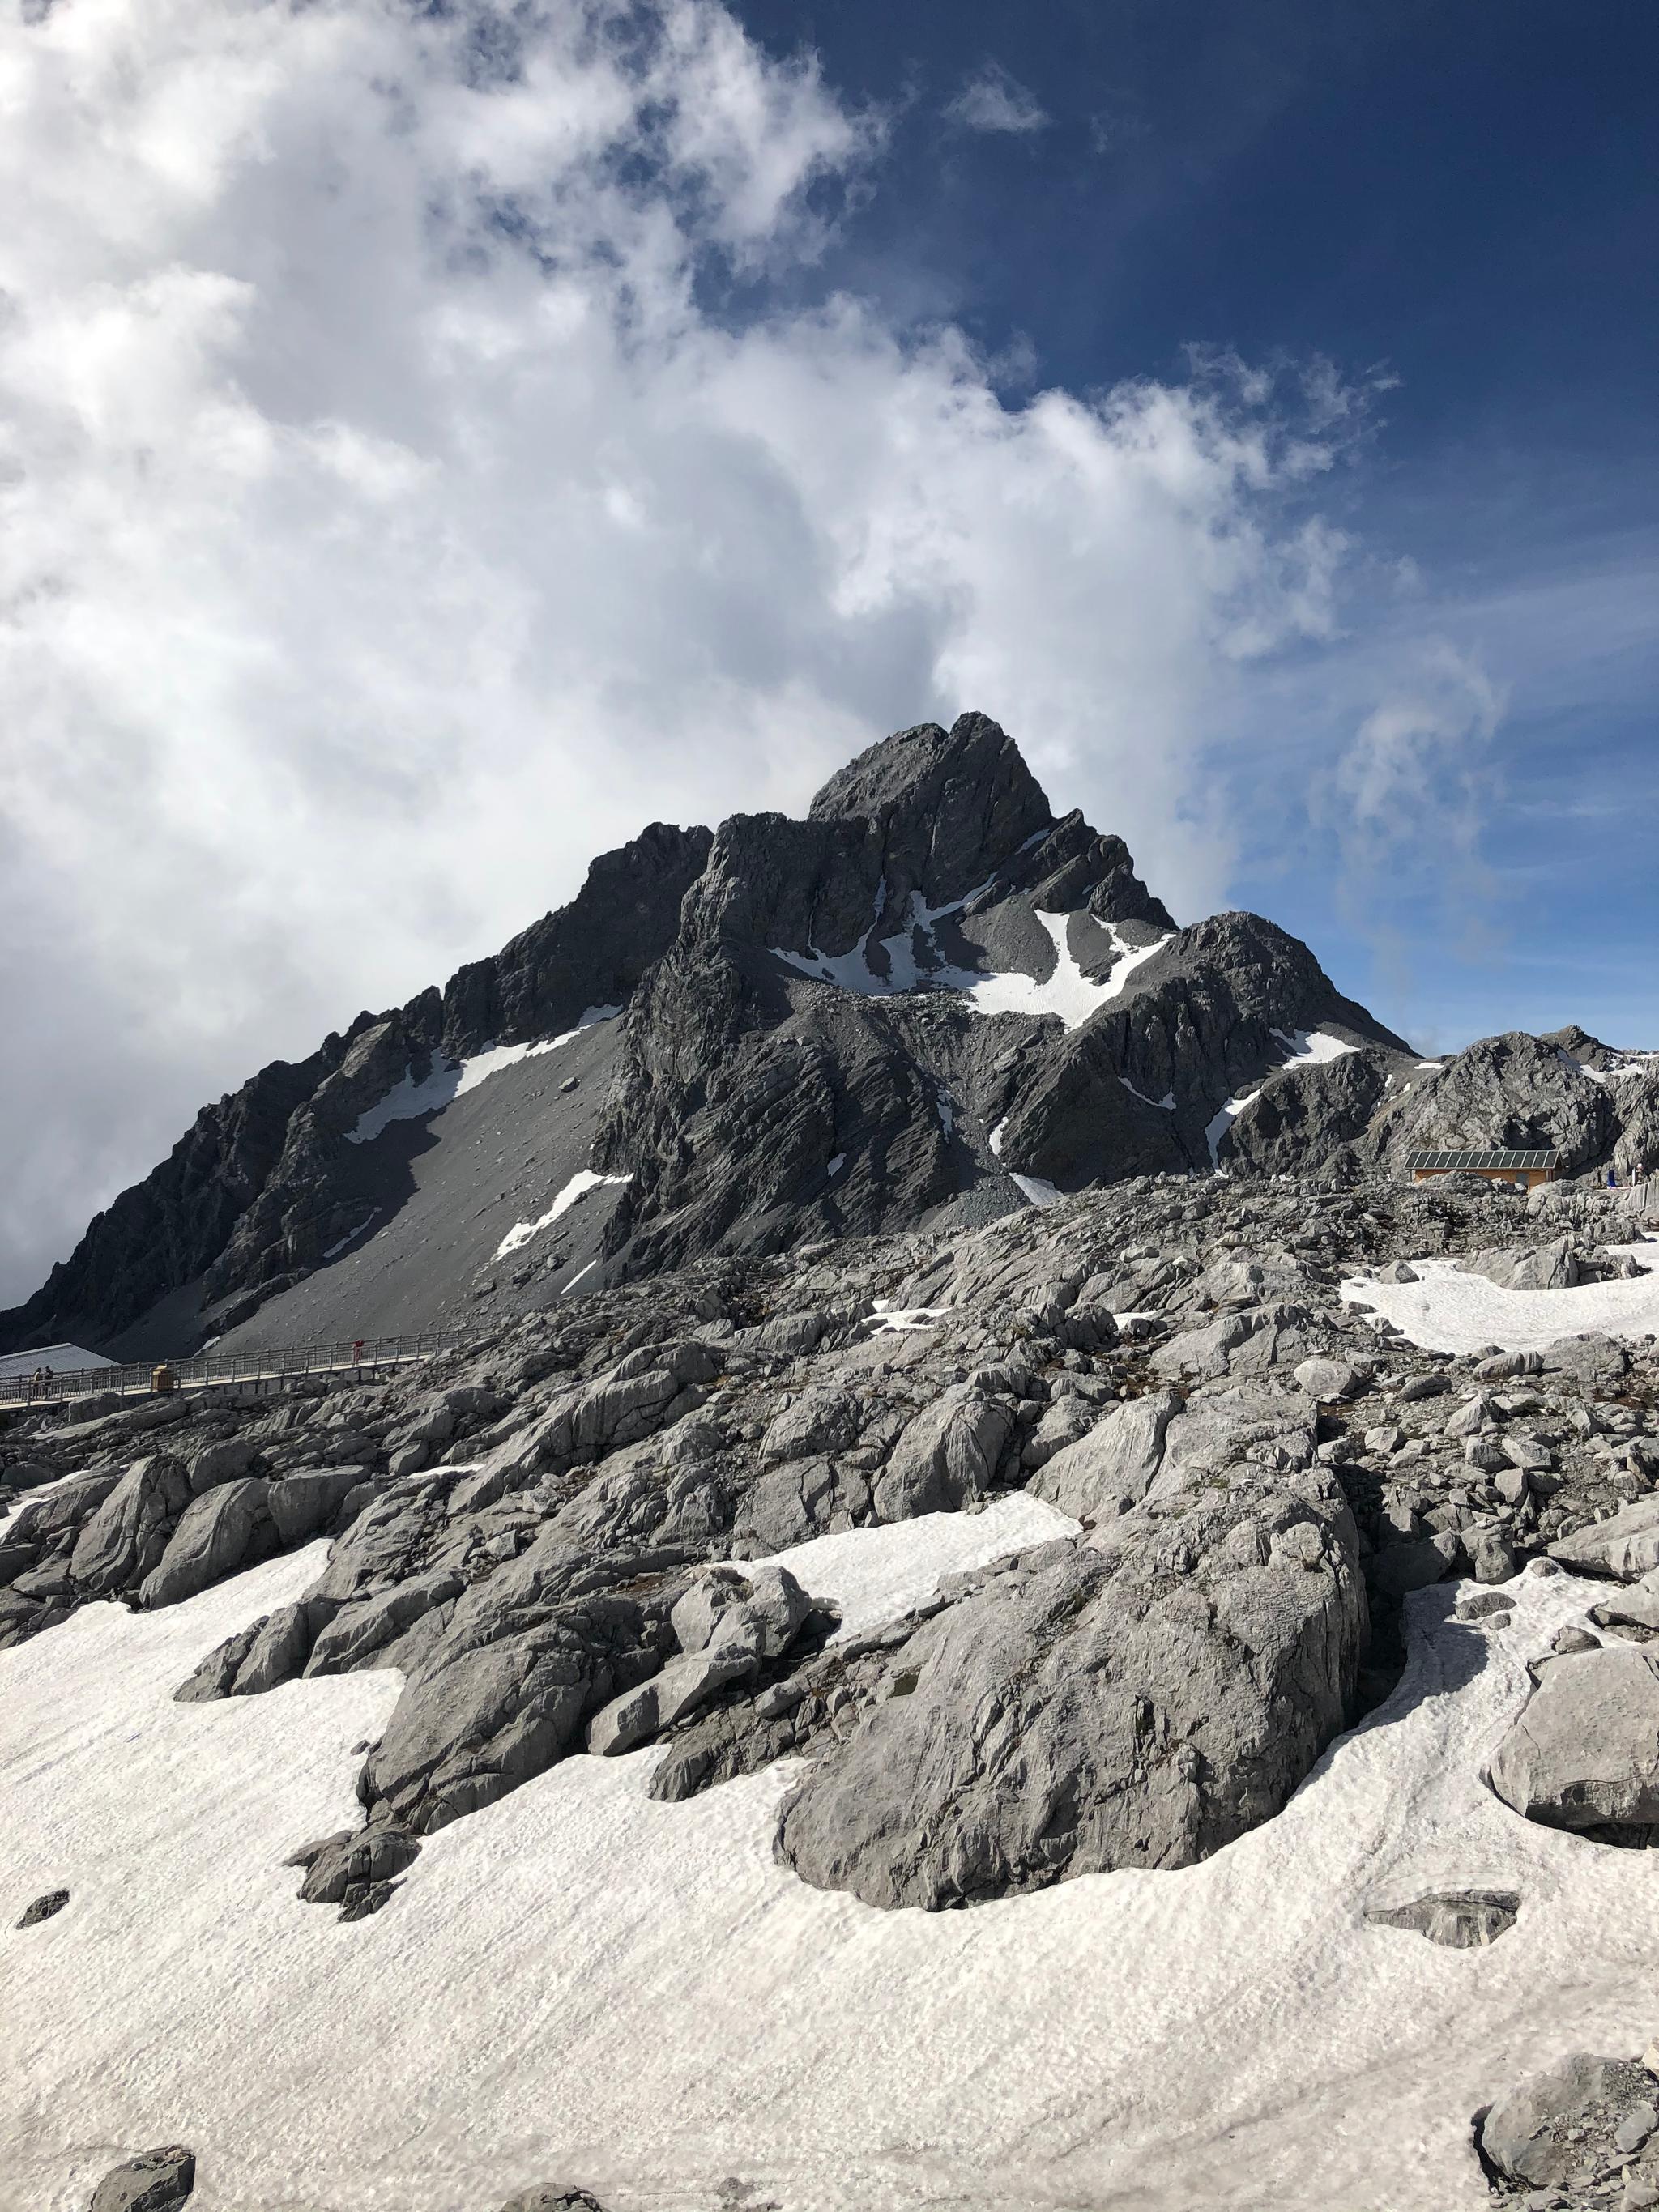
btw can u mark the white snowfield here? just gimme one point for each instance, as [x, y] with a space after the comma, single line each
[1065, 992]
[581, 1982]
[580, 1183]
[1446, 1311]
[449, 1079]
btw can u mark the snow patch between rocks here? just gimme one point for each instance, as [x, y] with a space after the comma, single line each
[1446, 1311]
[875, 1574]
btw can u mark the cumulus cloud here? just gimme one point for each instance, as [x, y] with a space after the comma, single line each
[992, 100]
[412, 480]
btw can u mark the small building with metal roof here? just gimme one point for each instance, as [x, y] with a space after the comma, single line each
[1524, 1171]
[62, 1358]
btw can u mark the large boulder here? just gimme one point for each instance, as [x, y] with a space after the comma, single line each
[477, 1721]
[945, 1456]
[1110, 1469]
[1161, 1446]
[1137, 1704]
[1625, 1544]
[1249, 1342]
[128, 1534]
[1563, 2125]
[1554, 1266]
[219, 1533]
[1583, 1750]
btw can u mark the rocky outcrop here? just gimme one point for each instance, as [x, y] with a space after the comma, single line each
[1572, 2127]
[155, 2181]
[1140, 1705]
[1459, 1919]
[1583, 1752]
[1513, 1090]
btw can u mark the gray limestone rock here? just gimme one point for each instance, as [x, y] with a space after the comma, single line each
[1136, 1705]
[130, 1531]
[1624, 1545]
[1550, 2127]
[304, 1502]
[1112, 1467]
[44, 1908]
[1461, 1919]
[807, 1498]
[1247, 1343]
[684, 1684]
[1331, 1379]
[155, 2181]
[1583, 1752]
[475, 1721]
[1553, 1267]
[947, 1455]
[376, 1853]
[218, 1533]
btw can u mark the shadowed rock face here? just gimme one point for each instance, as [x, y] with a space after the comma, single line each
[1461, 1919]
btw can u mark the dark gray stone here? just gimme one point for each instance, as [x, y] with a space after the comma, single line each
[155, 2181]
[44, 1908]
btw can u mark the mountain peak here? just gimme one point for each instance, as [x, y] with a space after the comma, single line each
[945, 801]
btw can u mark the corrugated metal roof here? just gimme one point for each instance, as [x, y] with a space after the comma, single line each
[62, 1358]
[1499, 1162]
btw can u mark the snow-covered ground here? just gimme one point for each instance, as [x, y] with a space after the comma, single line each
[580, 1982]
[1446, 1311]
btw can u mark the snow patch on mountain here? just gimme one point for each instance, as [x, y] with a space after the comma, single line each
[579, 1184]
[1065, 992]
[1219, 1122]
[1165, 1104]
[1307, 1047]
[410, 1100]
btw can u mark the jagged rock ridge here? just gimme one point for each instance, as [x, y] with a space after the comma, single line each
[927, 1003]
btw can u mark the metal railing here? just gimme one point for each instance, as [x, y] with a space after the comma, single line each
[138, 1378]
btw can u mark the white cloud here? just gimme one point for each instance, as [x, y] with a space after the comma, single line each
[391, 519]
[993, 100]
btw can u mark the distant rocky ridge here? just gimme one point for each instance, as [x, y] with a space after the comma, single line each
[928, 1004]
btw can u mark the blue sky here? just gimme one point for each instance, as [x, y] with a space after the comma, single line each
[1460, 196]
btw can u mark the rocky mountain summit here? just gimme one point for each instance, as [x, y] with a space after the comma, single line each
[930, 1002]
